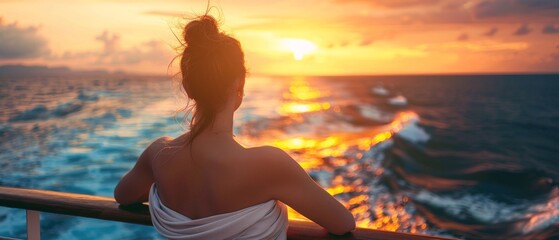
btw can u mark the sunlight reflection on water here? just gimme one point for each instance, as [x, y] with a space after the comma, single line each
[82, 135]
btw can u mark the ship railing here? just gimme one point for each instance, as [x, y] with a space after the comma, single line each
[35, 201]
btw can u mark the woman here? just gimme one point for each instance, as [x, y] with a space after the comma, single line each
[205, 185]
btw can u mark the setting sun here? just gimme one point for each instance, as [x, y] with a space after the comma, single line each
[299, 47]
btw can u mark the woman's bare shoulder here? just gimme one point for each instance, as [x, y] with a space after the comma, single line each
[267, 152]
[161, 142]
[272, 161]
[157, 145]
[265, 149]
[164, 140]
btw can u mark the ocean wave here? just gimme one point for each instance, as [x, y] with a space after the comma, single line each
[543, 215]
[374, 113]
[87, 96]
[380, 91]
[66, 108]
[519, 184]
[476, 208]
[413, 132]
[61, 110]
[42, 112]
[37, 112]
[398, 101]
[480, 214]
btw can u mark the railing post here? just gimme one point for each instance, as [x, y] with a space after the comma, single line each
[33, 225]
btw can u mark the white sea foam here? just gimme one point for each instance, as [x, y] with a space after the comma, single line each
[488, 211]
[398, 101]
[413, 132]
[478, 207]
[87, 96]
[380, 91]
[374, 113]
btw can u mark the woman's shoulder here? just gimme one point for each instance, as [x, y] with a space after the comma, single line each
[157, 145]
[269, 159]
[160, 143]
[268, 152]
[164, 140]
[265, 149]
[167, 141]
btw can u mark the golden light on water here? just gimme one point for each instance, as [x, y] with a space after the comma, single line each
[363, 140]
[299, 89]
[314, 151]
[339, 189]
[381, 137]
[321, 146]
[298, 107]
[301, 98]
[307, 143]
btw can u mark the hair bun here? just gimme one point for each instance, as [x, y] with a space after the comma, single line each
[201, 31]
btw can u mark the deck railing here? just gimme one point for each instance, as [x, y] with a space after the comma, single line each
[36, 201]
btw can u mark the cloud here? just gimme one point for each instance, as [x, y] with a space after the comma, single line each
[395, 3]
[21, 42]
[110, 43]
[500, 8]
[491, 32]
[463, 37]
[550, 29]
[426, 14]
[522, 30]
[113, 54]
[487, 46]
[467, 11]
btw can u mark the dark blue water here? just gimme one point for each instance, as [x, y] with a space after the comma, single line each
[491, 167]
[473, 157]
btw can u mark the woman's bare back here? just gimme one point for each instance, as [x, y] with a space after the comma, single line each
[213, 176]
[221, 176]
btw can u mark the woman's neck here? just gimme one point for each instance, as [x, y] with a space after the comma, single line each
[223, 123]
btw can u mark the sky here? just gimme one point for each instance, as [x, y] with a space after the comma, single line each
[291, 37]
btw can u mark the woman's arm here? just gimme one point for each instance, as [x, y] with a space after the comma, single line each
[294, 187]
[134, 186]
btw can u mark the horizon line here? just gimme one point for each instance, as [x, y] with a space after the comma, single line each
[259, 74]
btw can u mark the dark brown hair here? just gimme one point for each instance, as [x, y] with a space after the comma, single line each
[210, 63]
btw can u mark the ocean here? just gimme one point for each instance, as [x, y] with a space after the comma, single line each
[466, 156]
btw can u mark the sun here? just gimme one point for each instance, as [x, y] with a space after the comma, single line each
[299, 47]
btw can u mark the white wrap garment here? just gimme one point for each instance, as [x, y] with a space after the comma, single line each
[263, 221]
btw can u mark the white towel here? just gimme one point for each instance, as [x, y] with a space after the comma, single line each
[263, 221]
